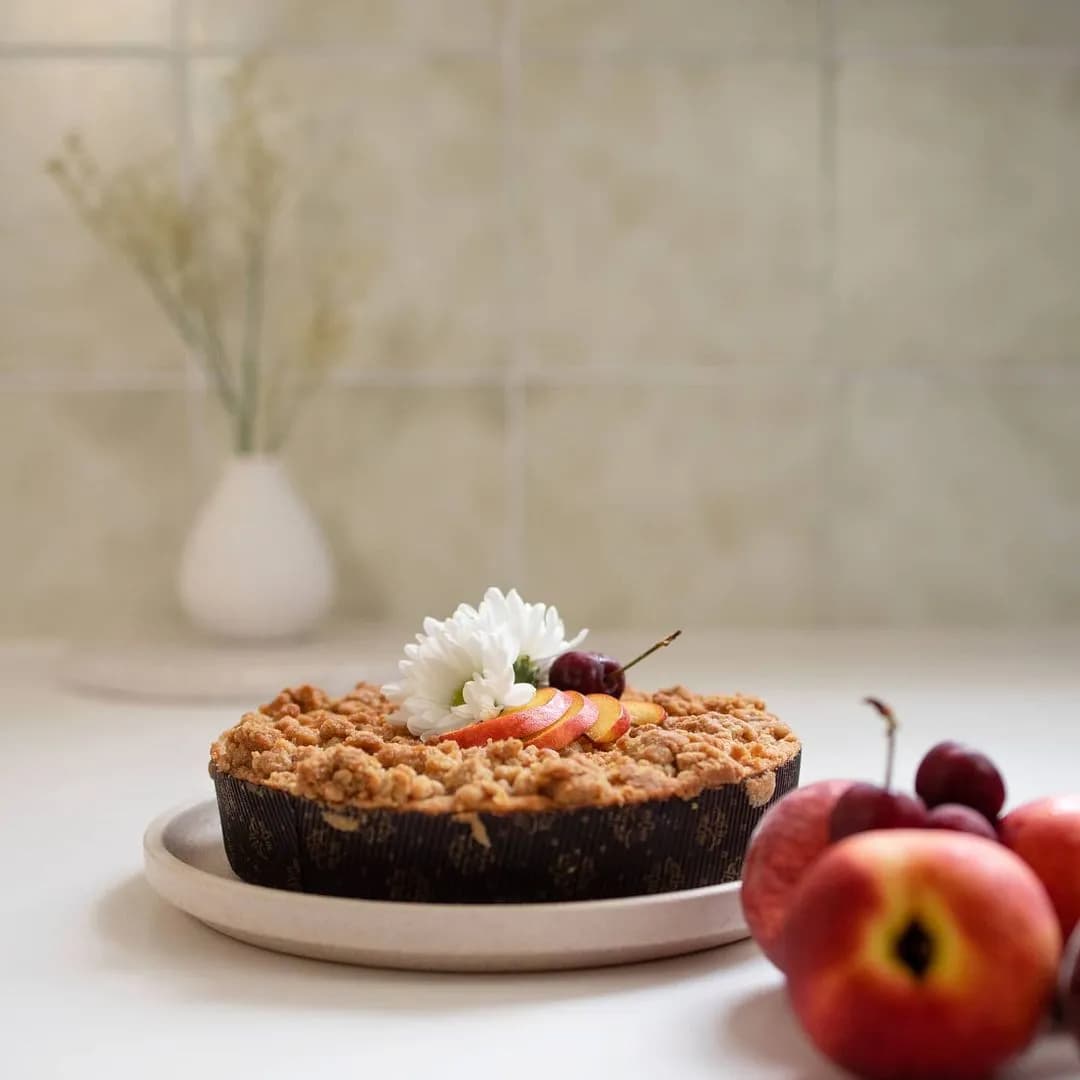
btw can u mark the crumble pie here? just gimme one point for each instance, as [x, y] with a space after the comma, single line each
[344, 752]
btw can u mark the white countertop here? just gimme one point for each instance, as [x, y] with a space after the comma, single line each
[102, 979]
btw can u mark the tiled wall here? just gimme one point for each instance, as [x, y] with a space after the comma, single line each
[703, 311]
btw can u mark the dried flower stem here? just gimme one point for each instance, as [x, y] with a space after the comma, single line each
[140, 212]
[203, 341]
[254, 285]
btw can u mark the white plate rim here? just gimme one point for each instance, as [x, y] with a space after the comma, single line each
[175, 879]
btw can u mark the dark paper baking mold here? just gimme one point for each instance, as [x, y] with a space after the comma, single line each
[280, 840]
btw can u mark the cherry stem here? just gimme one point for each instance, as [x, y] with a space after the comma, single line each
[663, 644]
[890, 734]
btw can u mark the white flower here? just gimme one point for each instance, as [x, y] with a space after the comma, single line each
[476, 663]
[536, 628]
[455, 676]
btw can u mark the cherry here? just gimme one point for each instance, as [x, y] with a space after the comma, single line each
[595, 673]
[612, 678]
[954, 773]
[588, 673]
[866, 806]
[960, 818]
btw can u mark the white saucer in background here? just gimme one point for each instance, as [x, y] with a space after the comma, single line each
[214, 674]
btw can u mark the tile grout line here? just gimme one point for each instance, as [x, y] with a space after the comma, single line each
[515, 447]
[148, 50]
[195, 397]
[90, 382]
[1038, 373]
[14, 50]
[974, 55]
[835, 411]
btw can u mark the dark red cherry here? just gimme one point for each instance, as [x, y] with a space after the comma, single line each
[612, 675]
[960, 818]
[866, 806]
[588, 673]
[595, 673]
[954, 773]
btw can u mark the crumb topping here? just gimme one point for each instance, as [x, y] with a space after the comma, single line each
[345, 752]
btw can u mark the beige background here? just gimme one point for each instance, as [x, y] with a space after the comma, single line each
[696, 312]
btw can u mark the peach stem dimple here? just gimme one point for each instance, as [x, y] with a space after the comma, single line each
[915, 948]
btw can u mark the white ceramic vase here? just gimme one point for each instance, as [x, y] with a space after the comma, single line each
[256, 566]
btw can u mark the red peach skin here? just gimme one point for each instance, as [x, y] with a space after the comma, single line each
[919, 954]
[545, 708]
[612, 722]
[1046, 835]
[578, 718]
[788, 841]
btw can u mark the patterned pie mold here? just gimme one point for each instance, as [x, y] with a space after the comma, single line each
[284, 841]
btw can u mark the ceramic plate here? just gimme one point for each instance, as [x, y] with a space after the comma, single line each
[186, 865]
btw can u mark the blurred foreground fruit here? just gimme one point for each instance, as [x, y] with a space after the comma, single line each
[1046, 835]
[953, 773]
[789, 839]
[919, 954]
[960, 818]
[866, 806]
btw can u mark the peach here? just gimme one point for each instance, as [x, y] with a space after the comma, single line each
[920, 954]
[789, 839]
[612, 722]
[1046, 835]
[578, 718]
[543, 709]
[644, 712]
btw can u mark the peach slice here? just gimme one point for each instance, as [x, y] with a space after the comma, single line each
[578, 718]
[613, 721]
[544, 708]
[644, 712]
[542, 697]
